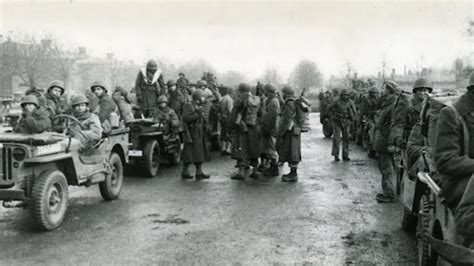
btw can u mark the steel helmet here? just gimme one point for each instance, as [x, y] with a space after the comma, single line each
[56, 84]
[163, 99]
[201, 83]
[392, 85]
[373, 89]
[422, 83]
[152, 65]
[345, 92]
[30, 99]
[198, 94]
[170, 83]
[244, 88]
[78, 99]
[269, 88]
[99, 84]
[288, 91]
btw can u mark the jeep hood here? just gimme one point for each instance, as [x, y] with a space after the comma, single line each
[31, 139]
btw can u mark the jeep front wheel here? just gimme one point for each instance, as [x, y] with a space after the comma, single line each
[49, 199]
[152, 158]
[111, 186]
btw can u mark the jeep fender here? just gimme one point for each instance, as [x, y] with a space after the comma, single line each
[60, 161]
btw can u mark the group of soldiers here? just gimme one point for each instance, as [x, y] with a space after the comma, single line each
[256, 126]
[412, 130]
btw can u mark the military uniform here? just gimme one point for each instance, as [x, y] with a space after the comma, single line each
[343, 114]
[195, 146]
[149, 88]
[55, 104]
[167, 117]
[289, 136]
[454, 158]
[34, 122]
[245, 146]
[106, 107]
[382, 143]
[89, 132]
[269, 122]
[226, 106]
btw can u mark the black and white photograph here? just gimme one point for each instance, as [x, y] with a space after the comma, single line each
[236, 132]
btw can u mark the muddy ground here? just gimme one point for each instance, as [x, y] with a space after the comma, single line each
[328, 217]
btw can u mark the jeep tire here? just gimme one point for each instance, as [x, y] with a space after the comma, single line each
[49, 199]
[152, 158]
[111, 186]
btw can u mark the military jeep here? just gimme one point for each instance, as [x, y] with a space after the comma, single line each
[36, 170]
[438, 241]
[150, 146]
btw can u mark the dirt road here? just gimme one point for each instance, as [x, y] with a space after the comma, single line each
[328, 217]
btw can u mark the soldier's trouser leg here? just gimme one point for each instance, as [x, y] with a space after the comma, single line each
[386, 168]
[345, 141]
[243, 163]
[336, 138]
[185, 168]
[198, 168]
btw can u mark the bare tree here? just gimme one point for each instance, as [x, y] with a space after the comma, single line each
[32, 59]
[232, 78]
[63, 61]
[307, 75]
[271, 76]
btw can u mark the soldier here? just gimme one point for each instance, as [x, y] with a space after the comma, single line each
[226, 105]
[34, 120]
[182, 82]
[39, 94]
[167, 116]
[195, 147]
[269, 129]
[176, 98]
[454, 159]
[245, 146]
[90, 131]
[106, 108]
[343, 114]
[54, 101]
[289, 136]
[149, 86]
[370, 103]
[382, 141]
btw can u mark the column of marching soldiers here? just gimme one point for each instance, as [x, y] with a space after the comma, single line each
[258, 128]
[411, 132]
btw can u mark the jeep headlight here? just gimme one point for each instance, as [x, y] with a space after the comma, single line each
[19, 154]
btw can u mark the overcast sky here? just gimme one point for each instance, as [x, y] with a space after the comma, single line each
[249, 36]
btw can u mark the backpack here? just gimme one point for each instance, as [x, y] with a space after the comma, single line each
[302, 115]
[252, 105]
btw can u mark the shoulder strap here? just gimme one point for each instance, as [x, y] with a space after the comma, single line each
[464, 128]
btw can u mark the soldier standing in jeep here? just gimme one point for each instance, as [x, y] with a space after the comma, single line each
[34, 120]
[149, 86]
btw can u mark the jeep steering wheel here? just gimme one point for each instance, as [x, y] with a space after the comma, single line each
[67, 122]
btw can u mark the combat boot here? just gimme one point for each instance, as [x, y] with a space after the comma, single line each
[291, 177]
[272, 170]
[240, 175]
[336, 158]
[202, 176]
[255, 174]
[384, 198]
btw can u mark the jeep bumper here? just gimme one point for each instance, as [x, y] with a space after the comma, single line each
[12, 194]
